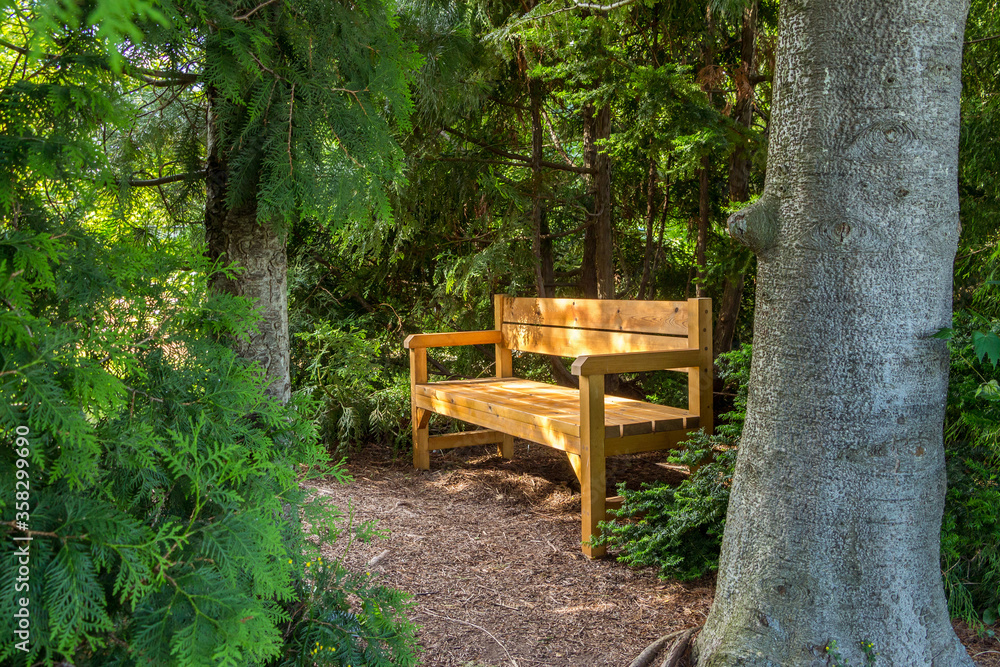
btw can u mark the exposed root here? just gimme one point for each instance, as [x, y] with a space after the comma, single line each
[649, 653]
[679, 648]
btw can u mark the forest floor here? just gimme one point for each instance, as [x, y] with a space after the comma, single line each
[490, 550]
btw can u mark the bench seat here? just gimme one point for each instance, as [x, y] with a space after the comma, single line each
[549, 414]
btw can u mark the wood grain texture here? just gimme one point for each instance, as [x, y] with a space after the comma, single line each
[465, 439]
[451, 338]
[592, 460]
[418, 375]
[552, 408]
[634, 362]
[566, 342]
[700, 376]
[654, 317]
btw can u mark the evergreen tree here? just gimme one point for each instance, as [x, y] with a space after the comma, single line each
[153, 468]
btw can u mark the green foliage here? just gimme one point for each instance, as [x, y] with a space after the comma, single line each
[347, 373]
[160, 474]
[678, 529]
[970, 533]
[162, 482]
[347, 618]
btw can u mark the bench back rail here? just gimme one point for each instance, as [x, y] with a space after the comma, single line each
[574, 327]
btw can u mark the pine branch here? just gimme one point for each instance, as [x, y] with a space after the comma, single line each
[163, 180]
[519, 158]
[151, 77]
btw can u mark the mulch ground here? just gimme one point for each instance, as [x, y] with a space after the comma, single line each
[490, 550]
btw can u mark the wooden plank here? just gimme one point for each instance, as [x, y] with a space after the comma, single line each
[645, 443]
[575, 342]
[494, 404]
[550, 438]
[604, 364]
[592, 473]
[504, 360]
[464, 439]
[450, 338]
[552, 407]
[418, 375]
[700, 378]
[576, 464]
[656, 317]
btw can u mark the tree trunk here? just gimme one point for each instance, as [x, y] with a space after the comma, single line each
[598, 276]
[739, 177]
[650, 252]
[703, 215]
[235, 236]
[541, 246]
[739, 163]
[834, 518]
[729, 310]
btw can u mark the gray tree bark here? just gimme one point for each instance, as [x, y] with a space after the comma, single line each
[234, 235]
[834, 519]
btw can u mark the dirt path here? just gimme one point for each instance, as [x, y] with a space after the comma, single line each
[490, 550]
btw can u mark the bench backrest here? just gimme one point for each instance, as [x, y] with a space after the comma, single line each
[573, 327]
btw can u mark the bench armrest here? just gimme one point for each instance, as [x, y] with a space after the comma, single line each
[634, 362]
[452, 338]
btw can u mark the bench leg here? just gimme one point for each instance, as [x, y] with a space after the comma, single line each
[506, 447]
[592, 477]
[577, 465]
[421, 433]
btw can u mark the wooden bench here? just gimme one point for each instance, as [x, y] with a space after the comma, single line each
[605, 337]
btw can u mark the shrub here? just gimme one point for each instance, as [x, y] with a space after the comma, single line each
[162, 484]
[678, 529]
[970, 532]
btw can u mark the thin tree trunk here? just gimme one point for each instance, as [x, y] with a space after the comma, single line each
[650, 252]
[704, 206]
[704, 202]
[597, 278]
[234, 236]
[739, 161]
[834, 519]
[729, 310]
[541, 246]
[739, 177]
[659, 241]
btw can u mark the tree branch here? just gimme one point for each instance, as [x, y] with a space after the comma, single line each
[567, 232]
[163, 180]
[152, 77]
[982, 39]
[519, 158]
[602, 8]
[244, 17]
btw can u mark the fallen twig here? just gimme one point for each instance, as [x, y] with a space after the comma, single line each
[513, 662]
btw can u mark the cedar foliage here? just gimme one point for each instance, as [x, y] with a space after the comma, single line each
[160, 474]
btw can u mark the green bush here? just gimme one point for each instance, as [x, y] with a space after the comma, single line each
[678, 529]
[970, 532]
[160, 484]
[361, 399]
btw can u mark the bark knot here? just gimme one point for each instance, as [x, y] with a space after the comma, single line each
[755, 226]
